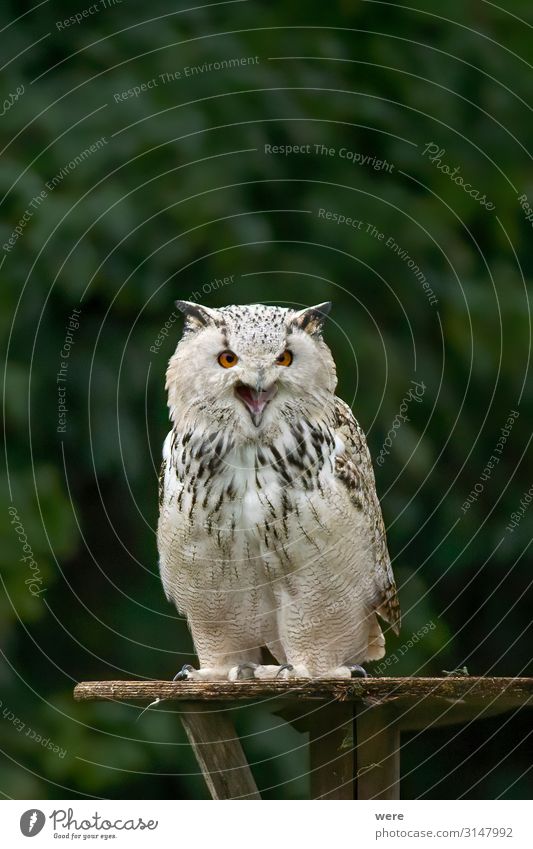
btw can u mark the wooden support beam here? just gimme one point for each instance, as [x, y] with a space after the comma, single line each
[378, 754]
[331, 751]
[218, 751]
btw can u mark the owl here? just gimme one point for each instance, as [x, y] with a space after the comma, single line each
[271, 539]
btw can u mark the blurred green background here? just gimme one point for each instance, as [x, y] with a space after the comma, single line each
[181, 193]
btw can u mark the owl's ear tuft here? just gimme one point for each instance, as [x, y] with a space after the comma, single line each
[196, 316]
[311, 319]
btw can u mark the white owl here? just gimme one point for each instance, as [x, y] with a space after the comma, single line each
[270, 531]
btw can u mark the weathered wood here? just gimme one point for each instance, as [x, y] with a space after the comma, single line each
[218, 751]
[378, 754]
[331, 751]
[469, 696]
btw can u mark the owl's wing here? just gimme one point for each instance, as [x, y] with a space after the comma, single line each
[170, 487]
[354, 469]
[161, 481]
[164, 468]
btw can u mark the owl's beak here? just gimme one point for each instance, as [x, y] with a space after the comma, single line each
[255, 400]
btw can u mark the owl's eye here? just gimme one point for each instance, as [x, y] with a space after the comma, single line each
[227, 359]
[284, 359]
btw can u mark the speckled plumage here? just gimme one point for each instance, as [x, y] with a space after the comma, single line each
[270, 531]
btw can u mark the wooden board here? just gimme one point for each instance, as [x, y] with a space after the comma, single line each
[461, 691]
[418, 703]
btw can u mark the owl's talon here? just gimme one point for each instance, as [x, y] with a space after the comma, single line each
[243, 672]
[357, 671]
[285, 667]
[185, 673]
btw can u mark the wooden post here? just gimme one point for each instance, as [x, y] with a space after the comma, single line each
[378, 754]
[218, 751]
[331, 751]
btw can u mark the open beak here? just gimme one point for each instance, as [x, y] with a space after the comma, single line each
[255, 399]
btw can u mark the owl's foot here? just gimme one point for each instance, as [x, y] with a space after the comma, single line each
[242, 672]
[357, 671]
[189, 673]
[249, 671]
[285, 671]
[350, 670]
[186, 673]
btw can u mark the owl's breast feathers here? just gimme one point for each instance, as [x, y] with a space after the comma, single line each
[219, 499]
[353, 467]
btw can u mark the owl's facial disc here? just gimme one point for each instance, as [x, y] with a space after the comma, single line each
[255, 400]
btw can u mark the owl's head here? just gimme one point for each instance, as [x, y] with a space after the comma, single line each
[250, 366]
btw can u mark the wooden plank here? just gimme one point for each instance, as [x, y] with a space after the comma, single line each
[472, 693]
[331, 751]
[378, 754]
[218, 751]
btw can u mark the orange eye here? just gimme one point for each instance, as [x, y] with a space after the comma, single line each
[284, 359]
[227, 359]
